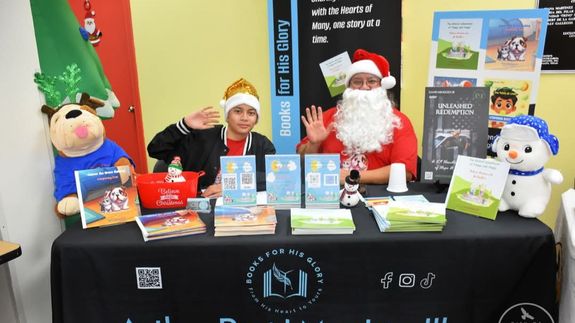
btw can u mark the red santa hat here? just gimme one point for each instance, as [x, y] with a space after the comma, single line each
[90, 14]
[366, 62]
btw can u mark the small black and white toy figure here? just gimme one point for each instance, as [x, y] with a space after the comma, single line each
[349, 195]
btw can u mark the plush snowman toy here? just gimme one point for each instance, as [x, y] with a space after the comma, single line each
[526, 144]
[349, 195]
[175, 171]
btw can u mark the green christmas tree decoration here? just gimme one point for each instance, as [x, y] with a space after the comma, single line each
[47, 84]
[71, 78]
[68, 81]
[60, 47]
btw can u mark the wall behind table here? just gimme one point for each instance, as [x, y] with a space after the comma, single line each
[189, 51]
[26, 203]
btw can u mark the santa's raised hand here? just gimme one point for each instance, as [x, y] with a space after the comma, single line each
[203, 119]
[314, 127]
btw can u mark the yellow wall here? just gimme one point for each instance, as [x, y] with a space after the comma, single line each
[189, 51]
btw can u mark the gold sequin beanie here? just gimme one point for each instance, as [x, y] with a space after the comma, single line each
[240, 92]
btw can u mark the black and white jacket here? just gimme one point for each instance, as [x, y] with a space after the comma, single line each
[200, 150]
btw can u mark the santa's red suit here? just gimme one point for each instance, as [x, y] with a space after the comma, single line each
[403, 149]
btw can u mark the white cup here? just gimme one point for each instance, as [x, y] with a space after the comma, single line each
[397, 182]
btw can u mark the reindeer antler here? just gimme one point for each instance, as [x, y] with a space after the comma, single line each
[93, 103]
[48, 110]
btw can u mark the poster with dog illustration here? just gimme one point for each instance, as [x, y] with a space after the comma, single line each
[512, 44]
[107, 196]
[473, 48]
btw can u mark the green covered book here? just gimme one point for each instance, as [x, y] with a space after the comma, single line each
[321, 221]
[476, 186]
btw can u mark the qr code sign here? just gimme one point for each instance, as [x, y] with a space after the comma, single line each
[428, 175]
[314, 180]
[149, 277]
[247, 181]
[331, 180]
[229, 182]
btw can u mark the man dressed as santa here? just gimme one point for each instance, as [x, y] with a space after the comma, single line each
[365, 128]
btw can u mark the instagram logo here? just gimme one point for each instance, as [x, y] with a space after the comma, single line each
[407, 280]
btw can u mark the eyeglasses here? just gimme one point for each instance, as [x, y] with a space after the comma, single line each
[359, 82]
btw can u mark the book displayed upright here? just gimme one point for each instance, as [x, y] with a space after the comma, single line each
[238, 180]
[476, 186]
[333, 71]
[283, 181]
[321, 181]
[107, 196]
[455, 123]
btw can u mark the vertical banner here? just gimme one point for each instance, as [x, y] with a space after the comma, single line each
[311, 43]
[501, 50]
[559, 53]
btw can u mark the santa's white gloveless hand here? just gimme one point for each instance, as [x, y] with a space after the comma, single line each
[203, 119]
[313, 122]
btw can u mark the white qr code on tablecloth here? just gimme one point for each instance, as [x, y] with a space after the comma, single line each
[247, 181]
[330, 180]
[314, 180]
[149, 277]
[229, 182]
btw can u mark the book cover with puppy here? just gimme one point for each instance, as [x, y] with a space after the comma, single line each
[107, 196]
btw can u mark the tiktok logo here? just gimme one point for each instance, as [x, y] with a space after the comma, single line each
[407, 280]
[427, 281]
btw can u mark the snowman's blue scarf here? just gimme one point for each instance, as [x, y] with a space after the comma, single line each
[525, 173]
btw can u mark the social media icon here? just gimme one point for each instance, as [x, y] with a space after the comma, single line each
[386, 280]
[406, 280]
[427, 281]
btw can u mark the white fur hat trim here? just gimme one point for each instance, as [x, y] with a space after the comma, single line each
[240, 98]
[363, 66]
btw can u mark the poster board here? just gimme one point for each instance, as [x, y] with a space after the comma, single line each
[305, 34]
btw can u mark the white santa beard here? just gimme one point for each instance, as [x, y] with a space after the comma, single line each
[365, 120]
[90, 25]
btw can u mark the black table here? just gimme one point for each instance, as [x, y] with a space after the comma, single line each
[476, 270]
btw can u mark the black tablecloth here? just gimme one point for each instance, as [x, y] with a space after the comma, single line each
[476, 270]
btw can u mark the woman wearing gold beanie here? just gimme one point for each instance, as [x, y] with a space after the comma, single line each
[200, 142]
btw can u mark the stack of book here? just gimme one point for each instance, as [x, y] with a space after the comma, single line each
[170, 224]
[410, 216]
[322, 221]
[244, 220]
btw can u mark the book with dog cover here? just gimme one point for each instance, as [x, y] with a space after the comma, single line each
[455, 123]
[170, 224]
[106, 196]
